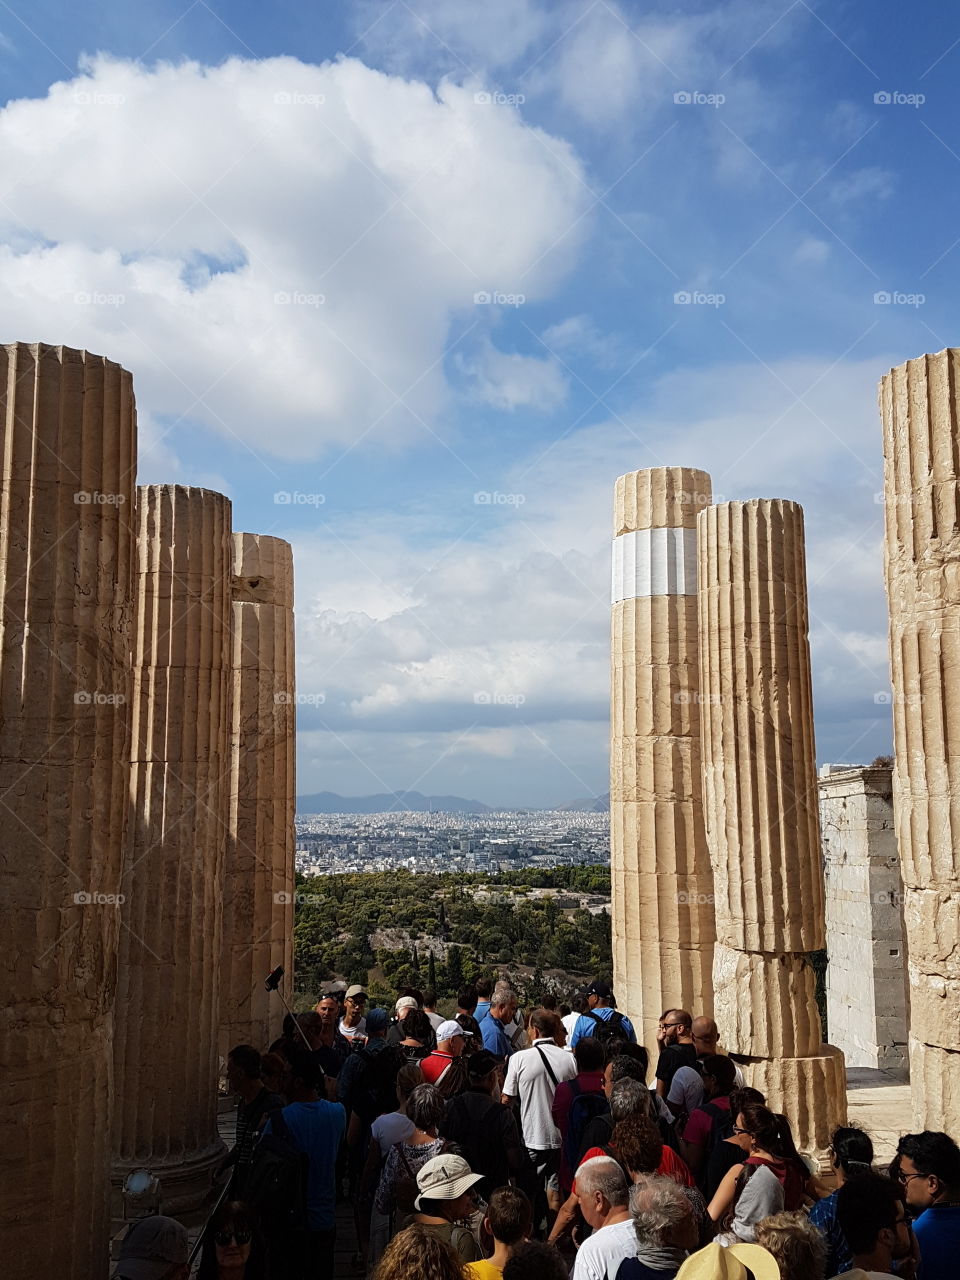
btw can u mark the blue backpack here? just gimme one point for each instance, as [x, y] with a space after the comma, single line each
[584, 1108]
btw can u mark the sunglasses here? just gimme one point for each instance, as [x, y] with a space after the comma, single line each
[239, 1234]
[740, 1133]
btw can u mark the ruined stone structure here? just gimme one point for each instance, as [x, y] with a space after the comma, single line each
[261, 842]
[67, 423]
[760, 808]
[662, 884]
[921, 440]
[866, 976]
[168, 1011]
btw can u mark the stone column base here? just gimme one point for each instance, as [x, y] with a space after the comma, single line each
[934, 1087]
[810, 1092]
[186, 1183]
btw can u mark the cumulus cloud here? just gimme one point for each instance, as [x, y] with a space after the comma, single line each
[276, 242]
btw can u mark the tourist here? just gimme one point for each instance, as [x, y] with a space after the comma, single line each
[417, 1037]
[509, 1221]
[273, 1072]
[532, 1078]
[665, 1227]
[289, 1038]
[710, 1121]
[796, 1244]
[329, 1048]
[244, 1066]
[405, 1005]
[154, 1248]
[484, 991]
[430, 1008]
[366, 1082]
[601, 1019]
[728, 1151]
[603, 1195]
[535, 1261]
[316, 1127]
[353, 1024]
[396, 1190]
[598, 1131]
[446, 1196]
[576, 1102]
[730, 1262]
[503, 1006]
[445, 1067]
[929, 1171]
[472, 1028]
[467, 1000]
[387, 1130]
[233, 1246]
[570, 1019]
[419, 1254]
[874, 1222]
[629, 1101]
[675, 1039]
[770, 1178]
[851, 1152]
[485, 1131]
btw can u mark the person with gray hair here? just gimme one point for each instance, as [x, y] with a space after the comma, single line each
[665, 1227]
[603, 1194]
[503, 1005]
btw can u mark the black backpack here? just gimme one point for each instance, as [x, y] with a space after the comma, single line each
[584, 1108]
[607, 1029]
[276, 1182]
[376, 1089]
[721, 1128]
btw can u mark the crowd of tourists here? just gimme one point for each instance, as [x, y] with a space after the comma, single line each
[539, 1146]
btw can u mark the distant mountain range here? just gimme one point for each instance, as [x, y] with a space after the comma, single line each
[417, 802]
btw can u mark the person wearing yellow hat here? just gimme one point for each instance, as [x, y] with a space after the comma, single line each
[730, 1262]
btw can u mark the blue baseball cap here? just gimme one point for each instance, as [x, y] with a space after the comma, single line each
[377, 1020]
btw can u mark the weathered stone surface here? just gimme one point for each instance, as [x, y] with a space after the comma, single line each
[760, 803]
[261, 842]
[662, 904]
[68, 432]
[920, 411]
[170, 945]
[866, 989]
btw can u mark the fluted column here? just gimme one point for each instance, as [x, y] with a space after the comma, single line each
[168, 999]
[68, 431]
[920, 408]
[662, 887]
[760, 807]
[261, 840]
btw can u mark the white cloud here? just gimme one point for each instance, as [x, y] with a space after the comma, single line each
[508, 380]
[299, 260]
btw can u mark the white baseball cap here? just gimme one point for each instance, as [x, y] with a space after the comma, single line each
[448, 1030]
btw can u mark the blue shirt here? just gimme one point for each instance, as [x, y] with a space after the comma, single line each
[823, 1215]
[317, 1128]
[938, 1234]
[585, 1025]
[495, 1038]
[482, 1009]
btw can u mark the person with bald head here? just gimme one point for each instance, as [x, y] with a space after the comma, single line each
[687, 1092]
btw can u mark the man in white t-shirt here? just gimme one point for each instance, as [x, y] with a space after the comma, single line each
[353, 1024]
[604, 1198]
[570, 1019]
[532, 1078]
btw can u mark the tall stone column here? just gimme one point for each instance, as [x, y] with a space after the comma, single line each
[663, 928]
[760, 808]
[261, 842]
[68, 430]
[920, 408]
[168, 1011]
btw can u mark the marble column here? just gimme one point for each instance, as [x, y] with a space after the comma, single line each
[168, 1010]
[760, 808]
[920, 409]
[662, 885]
[68, 429]
[261, 840]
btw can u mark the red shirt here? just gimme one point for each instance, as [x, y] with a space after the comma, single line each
[670, 1166]
[435, 1065]
[700, 1123]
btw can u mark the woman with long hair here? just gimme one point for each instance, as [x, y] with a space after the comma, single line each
[851, 1153]
[417, 1254]
[771, 1178]
[395, 1126]
[397, 1188]
[233, 1248]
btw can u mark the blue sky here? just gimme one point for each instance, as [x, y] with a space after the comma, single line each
[279, 218]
